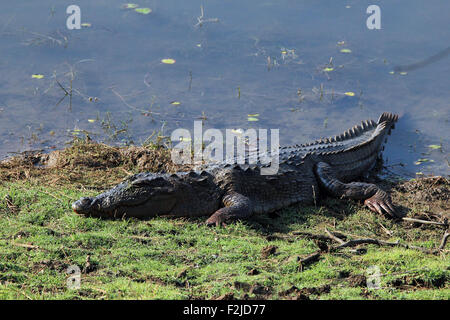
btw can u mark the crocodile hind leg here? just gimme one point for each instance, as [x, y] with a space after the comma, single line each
[237, 206]
[374, 198]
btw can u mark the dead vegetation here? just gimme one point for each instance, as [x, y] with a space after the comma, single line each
[87, 163]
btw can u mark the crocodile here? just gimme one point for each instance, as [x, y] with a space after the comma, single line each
[227, 192]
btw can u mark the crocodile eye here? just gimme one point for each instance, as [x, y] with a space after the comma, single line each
[149, 182]
[138, 183]
[163, 190]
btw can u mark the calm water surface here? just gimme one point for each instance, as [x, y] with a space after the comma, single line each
[263, 58]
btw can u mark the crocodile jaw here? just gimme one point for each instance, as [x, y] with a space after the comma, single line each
[86, 206]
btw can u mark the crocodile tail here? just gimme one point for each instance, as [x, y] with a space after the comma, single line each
[350, 161]
[367, 130]
[365, 140]
[389, 118]
[386, 122]
[376, 139]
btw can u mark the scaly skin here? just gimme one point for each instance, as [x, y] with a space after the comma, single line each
[228, 192]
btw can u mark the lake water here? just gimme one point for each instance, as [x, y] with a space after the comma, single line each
[281, 63]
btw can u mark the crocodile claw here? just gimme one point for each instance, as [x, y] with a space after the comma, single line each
[381, 203]
[215, 220]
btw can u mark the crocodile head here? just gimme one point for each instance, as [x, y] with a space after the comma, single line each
[147, 195]
[139, 195]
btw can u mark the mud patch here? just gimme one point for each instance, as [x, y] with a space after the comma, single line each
[427, 189]
[357, 280]
[268, 251]
[305, 293]
[427, 196]
[416, 282]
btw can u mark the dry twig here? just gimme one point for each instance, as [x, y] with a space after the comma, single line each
[425, 221]
[444, 240]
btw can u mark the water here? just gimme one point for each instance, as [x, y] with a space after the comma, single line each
[260, 57]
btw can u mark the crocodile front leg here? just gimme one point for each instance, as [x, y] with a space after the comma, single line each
[374, 198]
[237, 206]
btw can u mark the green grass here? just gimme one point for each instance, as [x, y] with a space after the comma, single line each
[183, 259]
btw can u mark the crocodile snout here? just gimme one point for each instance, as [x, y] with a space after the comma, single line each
[82, 206]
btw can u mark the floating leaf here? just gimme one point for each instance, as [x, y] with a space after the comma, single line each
[143, 10]
[237, 131]
[168, 61]
[403, 73]
[350, 94]
[328, 69]
[422, 160]
[130, 6]
[86, 24]
[391, 72]
[341, 43]
[346, 50]
[37, 76]
[253, 117]
[434, 146]
[91, 120]
[175, 103]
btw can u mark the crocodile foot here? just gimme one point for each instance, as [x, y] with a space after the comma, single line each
[381, 203]
[216, 220]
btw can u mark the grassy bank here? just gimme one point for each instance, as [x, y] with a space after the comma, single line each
[162, 258]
